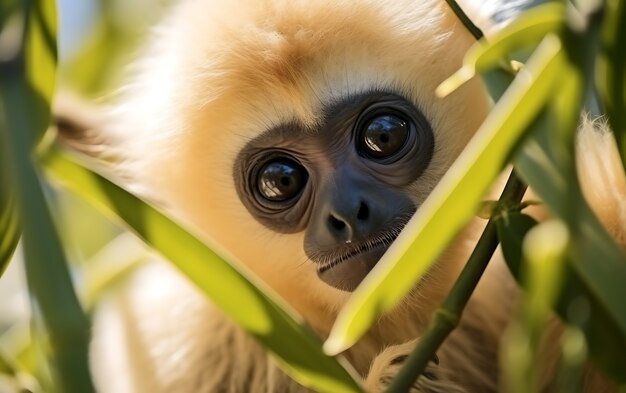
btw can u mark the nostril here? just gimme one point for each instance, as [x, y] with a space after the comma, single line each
[364, 212]
[336, 223]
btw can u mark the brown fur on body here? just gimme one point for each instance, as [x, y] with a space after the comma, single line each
[218, 74]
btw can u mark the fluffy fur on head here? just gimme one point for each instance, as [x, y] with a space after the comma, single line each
[216, 75]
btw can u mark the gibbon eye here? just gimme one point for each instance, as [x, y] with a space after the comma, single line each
[281, 179]
[383, 136]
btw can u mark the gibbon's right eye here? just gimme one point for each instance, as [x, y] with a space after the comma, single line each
[281, 179]
[383, 136]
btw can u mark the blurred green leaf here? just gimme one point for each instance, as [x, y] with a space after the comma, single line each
[543, 250]
[92, 69]
[574, 353]
[6, 366]
[7, 9]
[9, 226]
[607, 343]
[452, 203]
[40, 59]
[612, 70]
[596, 267]
[512, 229]
[27, 75]
[255, 308]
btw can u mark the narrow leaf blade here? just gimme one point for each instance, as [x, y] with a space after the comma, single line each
[26, 84]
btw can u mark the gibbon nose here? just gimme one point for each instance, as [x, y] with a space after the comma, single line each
[351, 206]
[349, 220]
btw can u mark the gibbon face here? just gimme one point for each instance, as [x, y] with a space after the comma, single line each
[340, 182]
[300, 135]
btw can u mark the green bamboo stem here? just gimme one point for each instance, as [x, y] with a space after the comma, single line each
[446, 318]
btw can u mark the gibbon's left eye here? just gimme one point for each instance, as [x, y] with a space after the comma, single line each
[383, 136]
[281, 179]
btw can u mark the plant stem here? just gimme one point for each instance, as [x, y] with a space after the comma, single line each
[467, 22]
[447, 317]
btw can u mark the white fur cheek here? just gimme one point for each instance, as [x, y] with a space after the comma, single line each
[111, 367]
[149, 333]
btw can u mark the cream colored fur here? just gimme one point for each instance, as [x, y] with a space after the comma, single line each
[217, 74]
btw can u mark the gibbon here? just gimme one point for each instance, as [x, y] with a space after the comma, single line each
[301, 136]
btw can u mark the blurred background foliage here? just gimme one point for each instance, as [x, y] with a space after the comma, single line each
[96, 40]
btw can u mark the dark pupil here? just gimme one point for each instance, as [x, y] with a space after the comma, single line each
[384, 136]
[281, 180]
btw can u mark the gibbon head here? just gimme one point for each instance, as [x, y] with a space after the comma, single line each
[300, 135]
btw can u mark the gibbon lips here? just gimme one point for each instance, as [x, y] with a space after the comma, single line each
[347, 270]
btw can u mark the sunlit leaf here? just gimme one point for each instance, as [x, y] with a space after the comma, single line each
[452, 203]
[254, 308]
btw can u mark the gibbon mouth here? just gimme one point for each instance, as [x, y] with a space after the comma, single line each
[346, 271]
[347, 266]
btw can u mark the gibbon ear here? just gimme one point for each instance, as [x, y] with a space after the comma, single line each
[79, 126]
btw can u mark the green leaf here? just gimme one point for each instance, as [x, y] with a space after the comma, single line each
[40, 55]
[612, 70]
[8, 10]
[26, 84]
[526, 31]
[596, 269]
[255, 308]
[543, 248]
[452, 203]
[598, 265]
[9, 226]
[512, 228]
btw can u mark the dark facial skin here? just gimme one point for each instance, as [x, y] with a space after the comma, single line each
[344, 183]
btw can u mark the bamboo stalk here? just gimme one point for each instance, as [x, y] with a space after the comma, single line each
[447, 317]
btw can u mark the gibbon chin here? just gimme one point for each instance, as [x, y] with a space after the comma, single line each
[301, 136]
